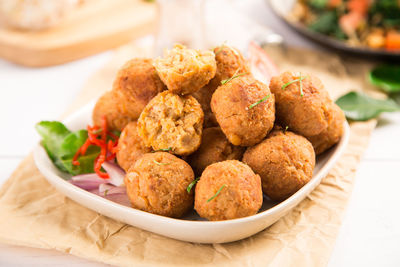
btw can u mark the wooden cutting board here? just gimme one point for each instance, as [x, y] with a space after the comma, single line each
[92, 28]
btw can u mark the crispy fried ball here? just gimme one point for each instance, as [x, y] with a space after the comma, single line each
[172, 122]
[284, 160]
[185, 70]
[106, 106]
[331, 135]
[239, 188]
[203, 96]
[229, 61]
[137, 82]
[214, 148]
[308, 114]
[130, 146]
[243, 121]
[157, 183]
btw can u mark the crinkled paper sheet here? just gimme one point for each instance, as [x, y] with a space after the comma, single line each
[34, 214]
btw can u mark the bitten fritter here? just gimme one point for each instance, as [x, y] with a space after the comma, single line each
[203, 96]
[214, 148]
[302, 103]
[106, 106]
[130, 146]
[228, 190]
[172, 122]
[185, 70]
[245, 110]
[284, 160]
[136, 83]
[229, 62]
[157, 183]
[332, 134]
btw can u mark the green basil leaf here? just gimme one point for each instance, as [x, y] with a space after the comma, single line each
[86, 162]
[72, 143]
[386, 77]
[360, 107]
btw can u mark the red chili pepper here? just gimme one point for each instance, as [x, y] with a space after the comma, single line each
[98, 137]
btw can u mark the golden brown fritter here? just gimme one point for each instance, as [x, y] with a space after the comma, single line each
[240, 193]
[284, 160]
[229, 62]
[214, 148]
[203, 96]
[157, 183]
[130, 146]
[106, 106]
[136, 83]
[308, 114]
[332, 134]
[185, 70]
[172, 122]
[242, 123]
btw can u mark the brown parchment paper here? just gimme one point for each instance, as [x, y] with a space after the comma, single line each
[34, 214]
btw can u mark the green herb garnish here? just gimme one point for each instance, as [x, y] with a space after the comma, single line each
[190, 186]
[235, 75]
[161, 163]
[105, 192]
[301, 86]
[163, 149]
[259, 101]
[216, 194]
[220, 48]
[296, 80]
[286, 128]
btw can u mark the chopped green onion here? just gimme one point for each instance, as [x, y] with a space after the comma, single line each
[235, 75]
[301, 86]
[163, 149]
[259, 101]
[190, 186]
[216, 194]
[161, 163]
[296, 80]
[286, 128]
[105, 193]
[220, 48]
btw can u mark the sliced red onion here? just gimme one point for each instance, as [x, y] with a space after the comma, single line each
[111, 189]
[87, 181]
[120, 198]
[262, 67]
[115, 172]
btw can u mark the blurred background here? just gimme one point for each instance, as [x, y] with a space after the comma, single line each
[48, 49]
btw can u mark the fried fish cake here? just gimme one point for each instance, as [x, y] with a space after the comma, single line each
[284, 160]
[244, 109]
[106, 107]
[302, 103]
[228, 190]
[172, 122]
[136, 83]
[158, 182]
[214, 148]
[185, 70]
[130, 146]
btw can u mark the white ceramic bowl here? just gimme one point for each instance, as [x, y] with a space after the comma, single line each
[190, 228]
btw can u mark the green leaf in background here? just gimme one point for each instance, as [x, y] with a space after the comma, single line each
[318, 4]
[360, 107]
[386, 77]
[326, 23]
[61, 145]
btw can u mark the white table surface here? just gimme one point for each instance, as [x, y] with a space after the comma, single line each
[370, 234]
